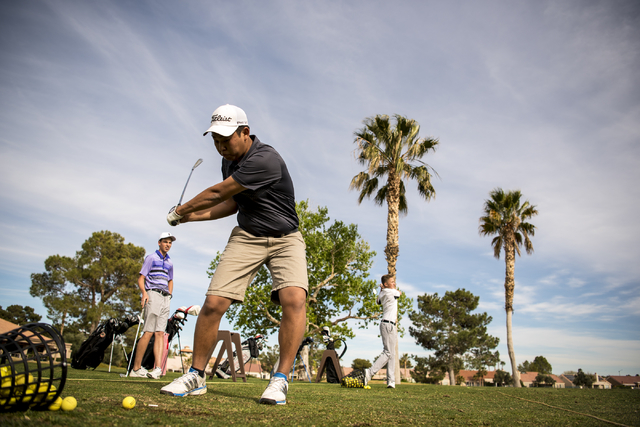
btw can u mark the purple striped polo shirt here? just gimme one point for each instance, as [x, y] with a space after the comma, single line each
[157, 271]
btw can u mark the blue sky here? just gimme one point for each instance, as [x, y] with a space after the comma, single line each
[104, 105]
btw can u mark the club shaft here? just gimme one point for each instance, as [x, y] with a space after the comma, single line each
[185, 188]
[187, 183]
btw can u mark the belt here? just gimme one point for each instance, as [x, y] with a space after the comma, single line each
[165, 293]
[285, 234]
[389, 321]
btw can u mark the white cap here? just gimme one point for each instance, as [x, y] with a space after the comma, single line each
[226, 119]
[167, 235]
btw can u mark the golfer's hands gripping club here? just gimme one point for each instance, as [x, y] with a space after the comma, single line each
[173, 218]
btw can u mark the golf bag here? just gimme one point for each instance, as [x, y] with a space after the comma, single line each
[332, 374]
[33, 368]
[91, 352]
[250, 350]
[174, 326]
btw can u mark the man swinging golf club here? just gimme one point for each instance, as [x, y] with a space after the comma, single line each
[256, 185]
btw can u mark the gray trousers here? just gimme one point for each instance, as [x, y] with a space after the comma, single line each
[389, 335]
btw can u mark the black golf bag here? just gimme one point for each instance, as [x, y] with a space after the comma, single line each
[91, 352]
[332, 373]
[250, 350]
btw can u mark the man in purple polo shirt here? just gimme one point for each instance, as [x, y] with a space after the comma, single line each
[156, 284]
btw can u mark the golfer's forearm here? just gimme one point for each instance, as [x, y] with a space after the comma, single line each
[211, 197]
[222, 210]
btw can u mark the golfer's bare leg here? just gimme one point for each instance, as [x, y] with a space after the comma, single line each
[158, 346]
[143, 342]
[206, 335]
[292, 326]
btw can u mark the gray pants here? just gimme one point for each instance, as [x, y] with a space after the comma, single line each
[389, 336]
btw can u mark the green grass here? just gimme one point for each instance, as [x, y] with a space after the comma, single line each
[100, 393]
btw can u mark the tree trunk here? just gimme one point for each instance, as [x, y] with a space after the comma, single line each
[509, 287]
[512, 355]
[392, 249]
[452, 374]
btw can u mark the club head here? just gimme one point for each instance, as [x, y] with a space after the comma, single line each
[194, 310]
[197, 164]
[179, 315]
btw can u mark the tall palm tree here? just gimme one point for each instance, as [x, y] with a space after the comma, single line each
[505, 217]
[393, 152]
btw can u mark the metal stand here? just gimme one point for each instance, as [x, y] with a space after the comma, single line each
[134, 344]
[303, 364]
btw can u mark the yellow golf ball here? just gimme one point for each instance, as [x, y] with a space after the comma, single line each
[69, 403]
[128, 402]
[56, 405]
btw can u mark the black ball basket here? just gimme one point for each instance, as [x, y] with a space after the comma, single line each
[33, 366]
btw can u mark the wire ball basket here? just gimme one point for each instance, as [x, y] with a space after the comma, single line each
[33, 367]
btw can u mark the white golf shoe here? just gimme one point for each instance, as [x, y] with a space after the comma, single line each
[367, 376]
[276, 392]
[190, 383]
[140, 373]
[155, 373]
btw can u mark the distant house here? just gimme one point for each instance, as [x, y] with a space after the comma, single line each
[528, 379]
[601, 382]
[624, 381]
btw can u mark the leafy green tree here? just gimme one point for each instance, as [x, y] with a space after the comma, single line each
[19, 315]
[338, 263]
[502, 378]
[392, 155]
[360, 364]
[582, 379]
[269, 357]
[506, 218]
[544, 379]
[540, 364]
[479, 375]
[99, 282]
[447, 326]
[428, 370]
[482, 357]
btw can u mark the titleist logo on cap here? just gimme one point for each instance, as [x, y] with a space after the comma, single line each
[219, 118]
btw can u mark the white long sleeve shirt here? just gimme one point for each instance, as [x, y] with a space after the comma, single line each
[388, 298]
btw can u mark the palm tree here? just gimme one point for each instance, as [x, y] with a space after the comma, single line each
[388, 151]
[505, 217]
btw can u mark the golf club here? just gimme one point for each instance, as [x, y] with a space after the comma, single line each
[185, 186]
[174, 223]
[140, 317]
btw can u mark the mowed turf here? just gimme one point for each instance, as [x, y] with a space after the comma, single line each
[100, 394]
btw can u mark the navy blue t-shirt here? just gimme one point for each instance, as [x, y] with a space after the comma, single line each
[268, 206]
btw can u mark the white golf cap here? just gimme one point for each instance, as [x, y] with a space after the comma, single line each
[226, 119]
[167, 235]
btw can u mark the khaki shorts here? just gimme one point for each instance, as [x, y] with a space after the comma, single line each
[156, 312]
[245, 254]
